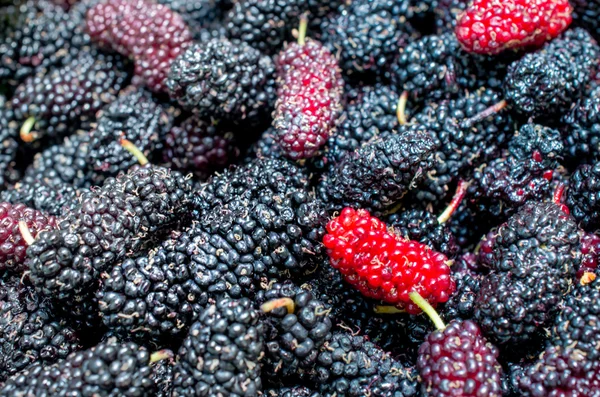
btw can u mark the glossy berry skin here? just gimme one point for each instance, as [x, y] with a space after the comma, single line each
[381, 265]
[459, 361]
[150, 34]
[12, 245]
[309, 98]
[492, 26]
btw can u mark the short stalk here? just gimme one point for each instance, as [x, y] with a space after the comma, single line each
[459, 195]
[26, 134]
[381, 309]
[302, 30]
[468, 123]
[26, 233]
[161, 355]
[427, 309]
[277, 303]
[401, 108]
[137, 153]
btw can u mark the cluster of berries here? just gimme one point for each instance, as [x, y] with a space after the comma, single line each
[299, 198]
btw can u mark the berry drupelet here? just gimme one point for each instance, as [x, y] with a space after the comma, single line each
[29, 332]
[150, 34]
[308, 97]
[382, 171]
[111, 223]
[220, 355]
[458, 360]
[40, 36]
[294, 391]
[582, 196]
[56, 103]
[297, 324]
[224, 80]
[200, 147]
[490, 27]
[367, 35]
[108, 369]
[375, 261]
[13, 245]
[547, 82]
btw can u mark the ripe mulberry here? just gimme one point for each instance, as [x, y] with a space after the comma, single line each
[226, 343]
[382, 171]
[223, 79]
[111, 223]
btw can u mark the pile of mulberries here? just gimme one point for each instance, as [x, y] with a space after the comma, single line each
[287, 198]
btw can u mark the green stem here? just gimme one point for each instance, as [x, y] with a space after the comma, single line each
[277, 303]
[302, 30]
[26, 233]
[25, 132]
[137, 153]
[459, 195]
[387, 310]
[428, 309]
[401, 108]
[160, 355]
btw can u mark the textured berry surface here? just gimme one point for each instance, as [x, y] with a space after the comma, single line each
[308, 98]
[492, 26]
[375, 261]
[91, 371]
[40, 36]
[64, 98]
[381, 172]
[367, 35]
[135, 205]
[548, 81]
[223, 79]
[225, 343]
[31, 334]
[200, 147]
[150, 34]
[474, 362]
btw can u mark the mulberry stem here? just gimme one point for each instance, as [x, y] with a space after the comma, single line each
[459, 195]
[131, 148]
[302, 30]
[468, 123]
[277, 303]
[428, 309]
[24, 229]
[381, 309]
[160, 355]
[25, 133]
[401, 108]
